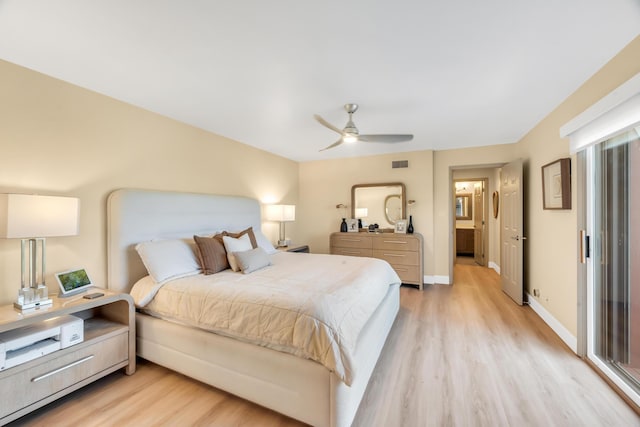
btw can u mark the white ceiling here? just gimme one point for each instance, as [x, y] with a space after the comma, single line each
[454, 73]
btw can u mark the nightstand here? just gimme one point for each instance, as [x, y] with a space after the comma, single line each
[294, 248]
[109, 345]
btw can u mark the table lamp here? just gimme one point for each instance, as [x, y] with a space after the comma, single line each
[361, 213]
[281, 214]
[32, 218]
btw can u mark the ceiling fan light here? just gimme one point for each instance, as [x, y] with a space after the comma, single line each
[349, 139]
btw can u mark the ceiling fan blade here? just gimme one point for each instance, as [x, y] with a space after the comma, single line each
[325, 123]
[385, 138]
[335, 144]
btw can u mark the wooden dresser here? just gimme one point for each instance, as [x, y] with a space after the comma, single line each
[402, 251]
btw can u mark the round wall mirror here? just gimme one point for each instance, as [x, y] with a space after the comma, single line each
[393, 208]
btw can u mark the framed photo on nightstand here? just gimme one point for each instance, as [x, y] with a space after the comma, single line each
[352, 225]
[401, 226]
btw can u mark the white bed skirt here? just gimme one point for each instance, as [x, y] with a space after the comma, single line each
[299, 388]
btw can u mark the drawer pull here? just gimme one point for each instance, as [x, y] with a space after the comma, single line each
[400, 269]
[55, 371]
[400, 242]
[350, 240]
[351, 252]
[395, 255]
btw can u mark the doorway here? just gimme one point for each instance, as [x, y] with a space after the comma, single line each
[471, 223]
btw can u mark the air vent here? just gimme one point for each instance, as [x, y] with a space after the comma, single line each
[400, 164]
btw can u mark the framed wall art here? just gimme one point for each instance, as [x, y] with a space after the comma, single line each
[556, 184]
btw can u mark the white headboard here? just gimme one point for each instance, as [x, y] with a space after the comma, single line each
[135, 216]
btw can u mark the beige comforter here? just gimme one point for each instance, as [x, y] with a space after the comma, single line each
[311, 305]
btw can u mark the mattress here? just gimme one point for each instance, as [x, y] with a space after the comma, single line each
[310, 305]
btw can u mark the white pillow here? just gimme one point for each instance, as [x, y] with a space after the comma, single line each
[168, 259]
[252, 260]
[263, 242]
[231, 245]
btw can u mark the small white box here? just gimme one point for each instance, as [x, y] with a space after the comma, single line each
[71, 331]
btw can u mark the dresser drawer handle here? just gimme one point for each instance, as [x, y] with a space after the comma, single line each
[400, 242]
[350, 240]
[395, 255]
[351, 252]
[55, 371]
[400, 269]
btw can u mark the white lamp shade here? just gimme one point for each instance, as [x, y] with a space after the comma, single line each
[362, 212]
[281, 213]
[27, 216]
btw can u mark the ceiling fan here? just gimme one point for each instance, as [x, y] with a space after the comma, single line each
[350, 132]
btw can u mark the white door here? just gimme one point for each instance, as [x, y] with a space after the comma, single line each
[478, 223]
[511, 212]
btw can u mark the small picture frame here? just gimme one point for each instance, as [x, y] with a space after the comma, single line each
[401, 226]
[352, 225]
[556, 184]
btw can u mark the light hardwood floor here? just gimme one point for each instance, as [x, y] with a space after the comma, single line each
[461, 355]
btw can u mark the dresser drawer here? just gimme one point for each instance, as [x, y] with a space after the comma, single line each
[408, 273]
[351, 252]
[351, 240]
[398, 257]
[397, 243]
[27, 386]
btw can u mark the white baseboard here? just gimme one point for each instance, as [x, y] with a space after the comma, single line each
[554, 324]
[440, 280]
[495, 266]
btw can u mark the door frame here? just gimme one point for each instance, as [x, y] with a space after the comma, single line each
[471, 168]
[485, 213]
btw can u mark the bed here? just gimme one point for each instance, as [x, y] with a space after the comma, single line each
[299, 387]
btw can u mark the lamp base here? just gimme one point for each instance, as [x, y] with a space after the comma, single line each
[31, 298]
[33, 305]
[285, 242]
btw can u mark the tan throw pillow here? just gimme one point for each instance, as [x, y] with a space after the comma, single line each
[213, 256]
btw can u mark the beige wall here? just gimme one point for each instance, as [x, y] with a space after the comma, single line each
[59, 139]
[552, 246]
[326, 183]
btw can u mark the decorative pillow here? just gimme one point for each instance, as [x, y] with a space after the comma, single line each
[264, 243]
[243, 243]
[168, 259]
[213, 256]
[252, 260]
[248, 231]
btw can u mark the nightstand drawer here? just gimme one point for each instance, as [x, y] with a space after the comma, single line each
[398, 257]
[29, 385]
[408, 273]
[397, 243]
[352, 252]
[351, 240]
